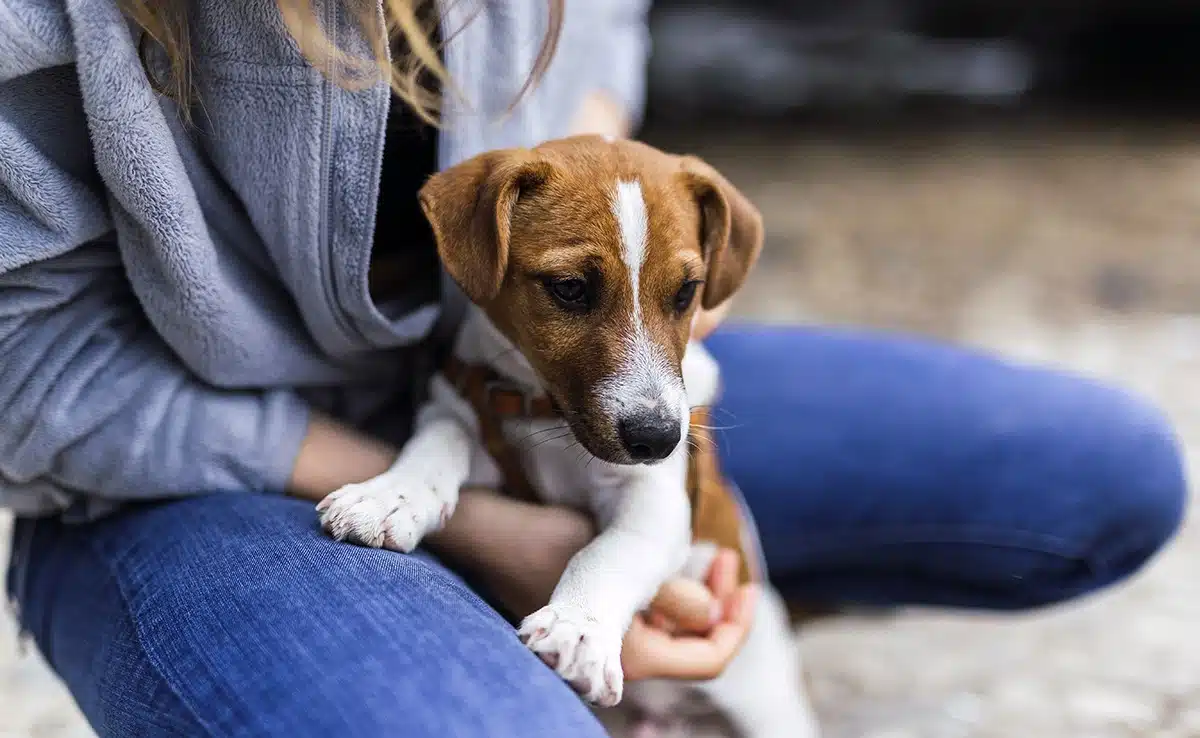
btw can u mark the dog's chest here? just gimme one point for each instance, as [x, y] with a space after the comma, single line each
[557, 466]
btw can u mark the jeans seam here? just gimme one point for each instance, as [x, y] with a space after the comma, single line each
[150, 657]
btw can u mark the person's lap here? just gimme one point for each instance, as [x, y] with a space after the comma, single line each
[234, 615]
[880, 470]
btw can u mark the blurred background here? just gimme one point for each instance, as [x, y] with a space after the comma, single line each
[1017, 175]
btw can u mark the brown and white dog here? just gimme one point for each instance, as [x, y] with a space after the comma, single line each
[586, 259]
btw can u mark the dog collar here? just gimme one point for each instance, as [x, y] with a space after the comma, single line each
[716, 515]
[499, 396]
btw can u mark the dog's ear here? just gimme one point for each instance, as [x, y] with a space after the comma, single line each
[731, 230]
[470, 208]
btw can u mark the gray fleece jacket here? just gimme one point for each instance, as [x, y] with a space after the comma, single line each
[174, 299]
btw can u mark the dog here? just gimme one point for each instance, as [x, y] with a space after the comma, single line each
[586, 260]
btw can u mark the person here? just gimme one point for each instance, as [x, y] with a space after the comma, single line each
[216, 304]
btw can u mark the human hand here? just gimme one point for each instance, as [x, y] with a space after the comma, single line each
[691, 630]
[519, 551]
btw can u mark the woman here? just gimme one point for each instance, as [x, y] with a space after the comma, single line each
[209, 300]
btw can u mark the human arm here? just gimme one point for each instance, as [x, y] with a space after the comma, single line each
[618, 35]
[520, 551]
[692, 629]
[97, 408]
[643, 540]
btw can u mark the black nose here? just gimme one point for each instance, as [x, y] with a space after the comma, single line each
[649, 437]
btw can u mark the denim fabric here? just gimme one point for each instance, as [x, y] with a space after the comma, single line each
[888, 470]
[234, 615]
[880, 470]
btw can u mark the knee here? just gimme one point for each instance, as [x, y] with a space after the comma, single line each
[1133, 477]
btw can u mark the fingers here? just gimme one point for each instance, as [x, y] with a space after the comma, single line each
[691, 630]
[653, 654]
[687, 605]
[723, 576]
[729, 635]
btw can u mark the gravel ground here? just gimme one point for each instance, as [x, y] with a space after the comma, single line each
[1066, 245]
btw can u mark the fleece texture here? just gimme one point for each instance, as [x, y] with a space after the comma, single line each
[175, 297]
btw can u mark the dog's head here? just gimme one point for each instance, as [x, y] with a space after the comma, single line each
[592, 257]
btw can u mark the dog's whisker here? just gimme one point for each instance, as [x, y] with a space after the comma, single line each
[581, 454]
[544, 430]
[722, 411]
[716, 427]
[550, 440]
[711, 410]
[534, 434]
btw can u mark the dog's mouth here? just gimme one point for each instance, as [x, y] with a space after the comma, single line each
[607, 441]
[599, 444]
[591, 437]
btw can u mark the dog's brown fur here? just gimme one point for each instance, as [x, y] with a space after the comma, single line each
[507, 221]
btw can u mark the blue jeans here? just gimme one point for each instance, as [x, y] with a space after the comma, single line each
[880, 470]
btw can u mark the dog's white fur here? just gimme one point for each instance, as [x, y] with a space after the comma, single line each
[642, 512]
[645, 378]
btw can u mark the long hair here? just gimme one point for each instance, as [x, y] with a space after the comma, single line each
[418, 77]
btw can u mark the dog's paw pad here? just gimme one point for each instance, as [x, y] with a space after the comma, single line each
[585, 654]
[385, 512]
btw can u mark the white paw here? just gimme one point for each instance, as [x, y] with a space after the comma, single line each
[394, 510]
[576, 646]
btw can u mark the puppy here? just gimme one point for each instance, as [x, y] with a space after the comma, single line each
[586, 260]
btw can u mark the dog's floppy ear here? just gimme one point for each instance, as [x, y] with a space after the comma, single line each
[470, 208]
[731, 230]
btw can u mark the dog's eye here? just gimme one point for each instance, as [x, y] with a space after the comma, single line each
[570, 292]
[685, 295]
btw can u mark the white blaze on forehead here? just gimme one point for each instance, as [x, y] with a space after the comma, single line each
[630, 208]
[645, 381]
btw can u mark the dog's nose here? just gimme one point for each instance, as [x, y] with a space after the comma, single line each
[649, 437]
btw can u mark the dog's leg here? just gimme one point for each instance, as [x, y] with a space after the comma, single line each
[416, 496]
[579, 633]
[762, 690]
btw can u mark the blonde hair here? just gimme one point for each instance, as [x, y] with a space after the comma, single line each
[165, 24]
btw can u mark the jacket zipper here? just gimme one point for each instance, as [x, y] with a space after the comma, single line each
[327, 265]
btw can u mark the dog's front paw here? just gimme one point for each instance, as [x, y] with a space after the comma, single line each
[394, 510]
[580, 649]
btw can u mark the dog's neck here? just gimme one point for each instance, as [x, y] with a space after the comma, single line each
[481, 342]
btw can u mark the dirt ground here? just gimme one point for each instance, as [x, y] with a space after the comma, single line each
[1065, 244]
